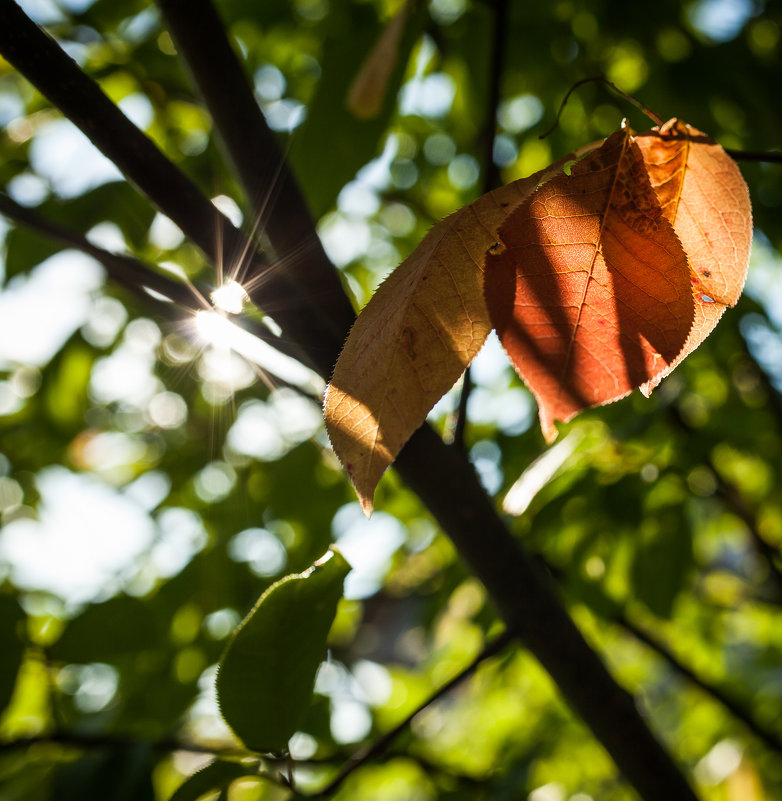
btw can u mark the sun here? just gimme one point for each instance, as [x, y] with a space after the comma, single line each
[230, 297]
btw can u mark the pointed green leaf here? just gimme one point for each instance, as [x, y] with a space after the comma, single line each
[266, 676]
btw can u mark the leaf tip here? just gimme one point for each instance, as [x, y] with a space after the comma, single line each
[547, 426]
[367, 505]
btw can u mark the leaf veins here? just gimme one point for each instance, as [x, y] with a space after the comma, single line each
[415, 337]
[592, 296]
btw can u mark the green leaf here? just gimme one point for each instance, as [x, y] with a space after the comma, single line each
[663, 560]
[266, 676]
[216, 775]
[12, 650]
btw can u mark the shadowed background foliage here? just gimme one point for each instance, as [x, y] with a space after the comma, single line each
[152, 487]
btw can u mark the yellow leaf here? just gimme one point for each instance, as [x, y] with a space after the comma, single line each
[415, 337]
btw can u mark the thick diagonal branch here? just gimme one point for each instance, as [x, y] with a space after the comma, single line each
[274, 196]
[529, 604]
[441, 476]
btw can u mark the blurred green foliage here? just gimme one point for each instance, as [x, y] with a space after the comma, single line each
[667, 514]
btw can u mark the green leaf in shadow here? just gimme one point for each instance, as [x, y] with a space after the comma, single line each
[11, 646]
[334, 142]
[266, 676]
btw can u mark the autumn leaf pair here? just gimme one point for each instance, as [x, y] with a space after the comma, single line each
[600, 274]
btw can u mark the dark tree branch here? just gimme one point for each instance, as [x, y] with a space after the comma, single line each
[271, 189]
[124, 270]
[82, 740]
[748, 155]
[40, 59]
[382, 743]
[765, 381]
[529, 603]
[770, 739]
[440, 475]
[491, 175]
[499, 34]
[136, 277]
[93, 742]
[734, 500]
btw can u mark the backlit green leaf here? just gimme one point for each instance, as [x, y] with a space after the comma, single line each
[265, 679]
[216, 775]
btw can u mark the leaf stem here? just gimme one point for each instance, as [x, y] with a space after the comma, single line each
[656, 118]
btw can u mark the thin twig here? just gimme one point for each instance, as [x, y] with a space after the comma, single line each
[656, 118]
[136, 277]
[491, 175]
[498, 45]
[741, 509]
[82, 740]
[460, 423]
[381, 744]
[771, 157]
[128, 272]
[736, 503]
[769, 738]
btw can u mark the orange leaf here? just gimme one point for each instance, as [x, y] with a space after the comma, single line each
[417, 334]
[704, 196]
[591, 297]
